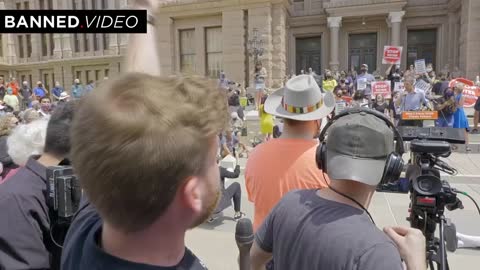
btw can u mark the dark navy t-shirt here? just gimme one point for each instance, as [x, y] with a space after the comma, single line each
[82, 252]
[307, 232]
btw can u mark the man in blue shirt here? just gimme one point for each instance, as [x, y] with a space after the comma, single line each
[411, 101]
[364, 82]
[77, 89]
[57, 91]
[89, 87]
[39, 91]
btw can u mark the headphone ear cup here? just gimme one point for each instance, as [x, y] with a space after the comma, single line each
[393, 168]
[320, 157]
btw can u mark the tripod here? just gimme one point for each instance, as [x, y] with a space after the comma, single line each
[436, 251]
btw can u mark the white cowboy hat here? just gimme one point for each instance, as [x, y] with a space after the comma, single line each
[63, 96]
[300, 99]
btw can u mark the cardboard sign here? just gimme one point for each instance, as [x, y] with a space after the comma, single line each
[399, 87]
[422, 85]
[362, 84]
[381, 88]
[392, 55]
[420, 67]
[340, 106]
[420, 115]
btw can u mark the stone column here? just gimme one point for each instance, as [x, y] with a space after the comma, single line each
[261, 19]
[36, 40]
[166, 45]
[395, 19]
[233, 32]
[451, 40]
[279, 42]
[11, 50]
[334, 24]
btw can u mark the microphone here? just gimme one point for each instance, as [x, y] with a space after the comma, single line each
[244, 239]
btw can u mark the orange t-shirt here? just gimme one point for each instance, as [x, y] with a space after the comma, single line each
[14, 87]
[278, 166]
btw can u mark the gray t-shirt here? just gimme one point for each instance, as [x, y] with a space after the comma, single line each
[305, 231]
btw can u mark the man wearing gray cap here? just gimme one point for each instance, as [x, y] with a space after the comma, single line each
[332, 228]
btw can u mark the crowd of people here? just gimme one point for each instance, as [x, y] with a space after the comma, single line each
[148, 151]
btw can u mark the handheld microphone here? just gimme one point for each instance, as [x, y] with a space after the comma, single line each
[244, 238]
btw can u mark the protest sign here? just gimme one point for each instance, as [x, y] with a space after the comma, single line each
[392, 55]
[470, 91]
[361, 84]
[420, 67]
[399, 87]
[381, 88]
[420, 115]
[422, 85]
[340, 106]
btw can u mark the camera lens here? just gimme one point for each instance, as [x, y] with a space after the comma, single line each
[425, 184]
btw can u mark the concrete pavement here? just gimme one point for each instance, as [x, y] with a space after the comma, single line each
[215, 243]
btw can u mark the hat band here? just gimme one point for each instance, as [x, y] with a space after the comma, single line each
[301, 110]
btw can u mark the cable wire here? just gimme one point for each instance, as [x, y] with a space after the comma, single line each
[470, 197]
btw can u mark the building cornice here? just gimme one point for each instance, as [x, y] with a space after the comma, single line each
[307, 20]
[426, 11]
[365, 10]
[454, 5]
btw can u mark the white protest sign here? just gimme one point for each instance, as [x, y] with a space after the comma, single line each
[361, 84]
[423, 85]
[340, 106]
[399, 87]
[420, 67]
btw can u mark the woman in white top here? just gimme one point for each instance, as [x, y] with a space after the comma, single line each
[260, 75]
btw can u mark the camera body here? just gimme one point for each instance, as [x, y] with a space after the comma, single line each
[64, 192]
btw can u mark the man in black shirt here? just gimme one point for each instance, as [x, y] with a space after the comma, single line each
[144, 149]
[25, 236]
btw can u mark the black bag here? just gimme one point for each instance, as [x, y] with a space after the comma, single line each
[244, 132]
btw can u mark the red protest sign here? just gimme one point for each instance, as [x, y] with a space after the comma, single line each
[381, 88]
[392, 55]
[470, 91]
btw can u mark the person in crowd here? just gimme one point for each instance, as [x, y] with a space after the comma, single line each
[476, 114]
[393, 75]
[446, 107]
[89, 87]
[394, 109]
[29, 115]
[3, 89]
[57, 91]
[259, 80]
[26, 243]
[39, 91]
[14, 85]
[343, 85]
[278, 166]
[380, 104]
[11, 100]
[26, 140]
[77, 89]
[331, 228]
[266, 121]
[26, 95]
[358, 100]
[222, 81]
[232, 193]
[440, 86]
[36, 106]
[329, 83]
[411, 100]
[7, 123]
[364, 81]
[228, 143]
[45, 106]
[340, 103]
[459, 117]
[183, 176]
[236, 122]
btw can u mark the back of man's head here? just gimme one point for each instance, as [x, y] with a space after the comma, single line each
[57, 142]
[140, 139]
[358, 146]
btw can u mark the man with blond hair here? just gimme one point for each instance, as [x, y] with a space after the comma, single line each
[145, 149]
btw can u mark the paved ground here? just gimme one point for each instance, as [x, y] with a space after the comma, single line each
[215, 243]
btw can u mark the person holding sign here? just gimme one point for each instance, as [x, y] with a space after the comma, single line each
[364, 81]
[380, 105]
[411, 100]
[459, 118]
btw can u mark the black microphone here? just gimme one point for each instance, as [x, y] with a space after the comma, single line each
[244, 239]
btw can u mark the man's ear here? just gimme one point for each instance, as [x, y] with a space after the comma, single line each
[191, 194]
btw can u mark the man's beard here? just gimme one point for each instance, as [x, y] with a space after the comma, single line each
[208, 209]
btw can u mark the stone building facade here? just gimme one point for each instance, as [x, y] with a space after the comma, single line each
[61, 57]
[335, 34]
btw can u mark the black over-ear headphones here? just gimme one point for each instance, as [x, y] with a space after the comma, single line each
[393, 166]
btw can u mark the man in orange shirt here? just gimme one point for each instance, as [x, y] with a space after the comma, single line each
[278, 166]
[14, 85]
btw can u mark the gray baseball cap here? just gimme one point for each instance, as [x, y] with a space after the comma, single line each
[357, 148]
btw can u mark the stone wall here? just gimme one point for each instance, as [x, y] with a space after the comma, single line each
[279, 57]
[233, 31]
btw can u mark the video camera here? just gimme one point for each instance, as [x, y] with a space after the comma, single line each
[64, 192]
[429, 195]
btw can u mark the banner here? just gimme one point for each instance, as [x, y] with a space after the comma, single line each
[420, 115]
[392, 55]
[423, 86]
[470, 91]
[399, 87]
[420, 67]
[381, 88]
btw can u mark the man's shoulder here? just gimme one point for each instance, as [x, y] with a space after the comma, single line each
[22, 183]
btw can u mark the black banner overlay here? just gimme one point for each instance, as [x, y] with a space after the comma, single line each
[73, 21]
